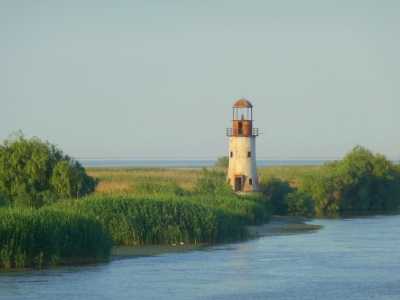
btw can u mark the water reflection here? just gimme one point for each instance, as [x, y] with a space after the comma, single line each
[355, 214]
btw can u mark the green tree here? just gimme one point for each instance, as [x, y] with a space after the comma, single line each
[222, 162]
[361, 181]
[33, 173]
[299, 204]
[276, 190]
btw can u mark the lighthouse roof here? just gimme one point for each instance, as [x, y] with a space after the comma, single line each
[242, 103]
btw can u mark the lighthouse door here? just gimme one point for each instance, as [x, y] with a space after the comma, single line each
[238, 184]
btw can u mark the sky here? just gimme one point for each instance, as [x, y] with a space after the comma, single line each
[159, 78]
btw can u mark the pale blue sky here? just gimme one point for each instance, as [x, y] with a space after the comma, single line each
[158, 78]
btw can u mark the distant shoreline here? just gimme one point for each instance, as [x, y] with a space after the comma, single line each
[104, 162]
[184, 163]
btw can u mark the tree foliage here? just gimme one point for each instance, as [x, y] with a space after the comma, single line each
[299, 204]
[222, 162]
[33, 172]
[276, 190]
[361, 181]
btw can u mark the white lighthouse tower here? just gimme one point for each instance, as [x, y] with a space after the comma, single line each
[242, 172]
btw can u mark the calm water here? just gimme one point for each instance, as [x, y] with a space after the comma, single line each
[189, 162]
[353, 258]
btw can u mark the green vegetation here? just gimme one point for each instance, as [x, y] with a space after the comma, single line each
[135, 206]
[276, 190]
[361, 181]
[164, 219]
[222, 162]
[33, 173]
[157, 211]
[48, 236]
[133, 180]
[213, 183]
[287, 200]
[166, 213]
[291, 174]
[299, 204]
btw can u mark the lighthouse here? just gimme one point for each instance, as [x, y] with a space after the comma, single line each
[242, 171]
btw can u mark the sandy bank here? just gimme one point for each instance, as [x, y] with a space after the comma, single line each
[282, 225]
[147, 250]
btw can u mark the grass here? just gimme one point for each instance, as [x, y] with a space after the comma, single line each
[133, 206]
[130, 180]
[163, 219]
[124, 181]
[292, 174]
[48, 236]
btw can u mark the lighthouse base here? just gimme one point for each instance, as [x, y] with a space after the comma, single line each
[242, 171]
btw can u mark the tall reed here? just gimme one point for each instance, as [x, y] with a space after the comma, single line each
[48, 236]
[125, 181]
[132, 180]
[160, 220]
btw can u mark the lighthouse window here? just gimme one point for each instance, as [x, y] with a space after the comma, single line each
[250, 181]
[231, 154]
[249, 154]
[240, 129]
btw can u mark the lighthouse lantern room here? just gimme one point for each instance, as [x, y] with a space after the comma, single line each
[242, 171]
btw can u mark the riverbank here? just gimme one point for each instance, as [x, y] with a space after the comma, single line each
[149, 250]
[279, 225]
[283, 225]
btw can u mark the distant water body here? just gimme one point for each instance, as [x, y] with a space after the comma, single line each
[194, 162]
[189, 162]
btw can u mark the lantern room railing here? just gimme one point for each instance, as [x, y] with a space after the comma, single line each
[229, 132]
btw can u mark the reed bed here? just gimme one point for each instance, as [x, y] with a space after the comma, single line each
[130, 180]
[162, 175]
[117, 181]
[161, 220]
[286, 173]
[48, 236]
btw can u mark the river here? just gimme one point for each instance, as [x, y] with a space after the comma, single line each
[348, 258]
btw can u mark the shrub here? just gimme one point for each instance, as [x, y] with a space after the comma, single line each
[361, 181]
[299, 204]
[33, 173]
[276, 190]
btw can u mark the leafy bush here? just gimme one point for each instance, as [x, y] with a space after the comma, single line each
[299, 204]
[276, 190]
[361, 181]
[33, 173]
